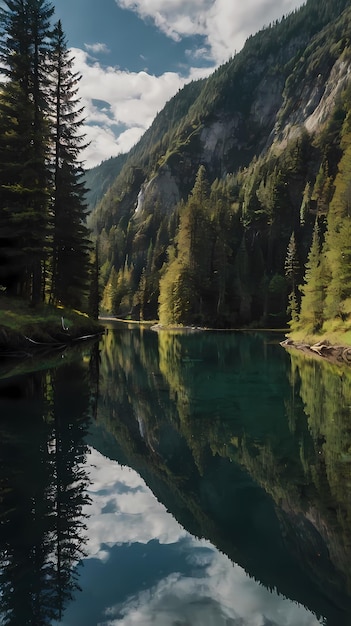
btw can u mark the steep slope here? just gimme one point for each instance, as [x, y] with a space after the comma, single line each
[267, 126]
[98, 179]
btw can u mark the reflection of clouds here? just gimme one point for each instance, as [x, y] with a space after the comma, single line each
[123, 509]
[221, 594]
[213, 592]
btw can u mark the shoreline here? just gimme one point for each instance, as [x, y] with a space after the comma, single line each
[27, 331]
[322, 350]
[19, 345]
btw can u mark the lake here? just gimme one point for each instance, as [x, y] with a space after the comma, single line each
[176, 479]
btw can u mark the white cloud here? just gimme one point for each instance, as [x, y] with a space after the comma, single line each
[97, 48]
[224, 24]
[176, 18]
[133, 98]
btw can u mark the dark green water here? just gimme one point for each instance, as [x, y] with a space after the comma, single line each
[176, 479]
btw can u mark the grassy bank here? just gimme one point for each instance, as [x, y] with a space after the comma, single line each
[23, 327]
[332, 343]
[336, 332]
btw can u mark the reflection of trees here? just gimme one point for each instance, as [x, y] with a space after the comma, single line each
[182, 405]
[44, 418]
[131, 385]
[325, 390]
[25, 548]
[221, 383]
[70, 406]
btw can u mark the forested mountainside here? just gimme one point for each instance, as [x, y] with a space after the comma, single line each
[233, 208]
[99, 179]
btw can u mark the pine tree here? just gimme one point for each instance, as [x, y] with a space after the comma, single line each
[292, 263]
[24, 188]
[185, 281]
[305, 204]
[70, 267]
[338, 237]
[194, 242]
[94, 293]
[312, 302]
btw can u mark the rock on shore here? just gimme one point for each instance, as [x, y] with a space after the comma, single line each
[323, 349]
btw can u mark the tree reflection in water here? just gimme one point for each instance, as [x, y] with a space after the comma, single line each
[44, 420]
[245, 446]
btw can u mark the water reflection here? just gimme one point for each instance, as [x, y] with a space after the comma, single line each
[144, 568]
[236, 511]
[44, 419]
[219, 426]
[325, 392]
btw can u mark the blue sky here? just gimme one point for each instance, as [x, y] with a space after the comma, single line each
[134, 55]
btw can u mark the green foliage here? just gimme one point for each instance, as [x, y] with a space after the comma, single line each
[44, 242]
[24, 136]
[190, 269]
[313, 289]
[70, 239]
[98, 179]
[227, 248]
[292, 263]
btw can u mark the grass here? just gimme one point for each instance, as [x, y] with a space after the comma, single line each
[336, 332]
[41, 323]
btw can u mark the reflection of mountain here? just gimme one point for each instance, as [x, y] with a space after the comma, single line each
[196, 415]
[44, 418]
[325, 391]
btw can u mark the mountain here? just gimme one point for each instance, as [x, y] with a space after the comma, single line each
[98, 179]
[211, 217]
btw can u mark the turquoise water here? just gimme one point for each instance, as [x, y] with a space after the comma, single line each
[176, 479]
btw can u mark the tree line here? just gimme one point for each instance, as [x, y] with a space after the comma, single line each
[259, 247]
[45, 248]
[234, 250]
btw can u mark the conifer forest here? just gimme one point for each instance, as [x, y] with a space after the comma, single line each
[232, 210]
[45, 246]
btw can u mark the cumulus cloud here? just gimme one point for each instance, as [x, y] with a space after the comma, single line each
[97, 48]
[133, 100]
[224, 25]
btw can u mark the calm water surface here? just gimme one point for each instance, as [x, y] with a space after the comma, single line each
[176, 479]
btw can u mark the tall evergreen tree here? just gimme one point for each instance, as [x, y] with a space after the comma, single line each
[312, 302]
[305, 203]
[292, 263]
[185, 283]
[42, 210]
[70, 266]
[337, 239]
[24, 189]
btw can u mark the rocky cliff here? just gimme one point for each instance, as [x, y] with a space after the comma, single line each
[283, 93]
[287, 77]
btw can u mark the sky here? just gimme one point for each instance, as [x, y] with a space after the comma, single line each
[134, 55]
